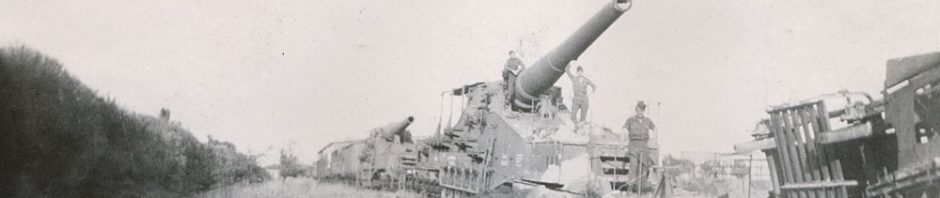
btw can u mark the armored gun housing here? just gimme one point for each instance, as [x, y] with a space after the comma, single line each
[499, 146]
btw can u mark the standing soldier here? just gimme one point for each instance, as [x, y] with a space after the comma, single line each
[638, 129]
[639, 126]
[579, 103]
[511, 69]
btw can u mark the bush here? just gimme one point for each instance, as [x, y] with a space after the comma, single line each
[290, 167]
[59, 139]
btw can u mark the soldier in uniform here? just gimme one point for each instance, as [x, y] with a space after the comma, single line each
[511, 69]
[638, 128]
[579, 103]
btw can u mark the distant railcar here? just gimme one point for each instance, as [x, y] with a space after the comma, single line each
[383, 160]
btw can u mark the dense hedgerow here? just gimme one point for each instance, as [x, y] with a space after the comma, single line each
[58, 138]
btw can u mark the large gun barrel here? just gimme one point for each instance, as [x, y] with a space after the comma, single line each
[397, 127]
[542, 75]
[388, 132]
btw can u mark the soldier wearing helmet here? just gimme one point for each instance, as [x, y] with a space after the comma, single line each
[639, 127]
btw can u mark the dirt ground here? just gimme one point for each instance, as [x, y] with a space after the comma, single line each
[298, 187]
[307, 187]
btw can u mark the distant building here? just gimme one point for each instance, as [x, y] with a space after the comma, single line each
[729, 164]
[328, 157]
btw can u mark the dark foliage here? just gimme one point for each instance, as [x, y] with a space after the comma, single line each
[59, 139]
[290, 167]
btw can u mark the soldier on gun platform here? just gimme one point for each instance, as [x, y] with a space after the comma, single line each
[639, 126]
[579, 103]
[511, 69]
[638, 129]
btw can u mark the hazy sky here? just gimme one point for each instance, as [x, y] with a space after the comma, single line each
[301, 74]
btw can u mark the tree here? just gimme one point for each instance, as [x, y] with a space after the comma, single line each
[289, 166]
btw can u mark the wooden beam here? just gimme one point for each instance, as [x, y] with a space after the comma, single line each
[784, 152]
[807, 126]
[816, 120]
[782, 155]
[774, 177]
[853, 132]
[761, 144]
[806, 162]
[815, 185]
[841, 135]
[835, 164]
[801, 168]
[452, 187]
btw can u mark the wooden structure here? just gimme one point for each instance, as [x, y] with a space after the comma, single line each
[887, 148]
[806, 167]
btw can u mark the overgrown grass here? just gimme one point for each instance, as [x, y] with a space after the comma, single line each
[298, 187]
[59, 139]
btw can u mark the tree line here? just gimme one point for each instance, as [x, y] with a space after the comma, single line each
[58, 138]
